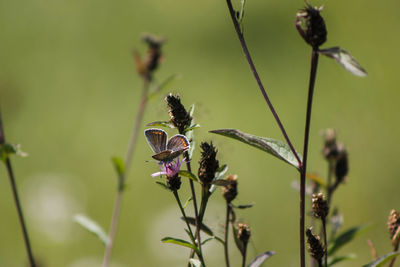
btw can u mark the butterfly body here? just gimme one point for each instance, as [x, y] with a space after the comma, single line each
[166, 151]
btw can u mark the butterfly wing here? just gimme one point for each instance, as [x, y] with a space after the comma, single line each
[177, 143]
[157, 139]
[164, 156]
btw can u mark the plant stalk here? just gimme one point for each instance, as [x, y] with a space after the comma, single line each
[329, 183]
[20, 213]
[128, 161]
[396, 248]
[226, 252]
[244, 255]
[325, 241]
[303, 171]
[257, 77]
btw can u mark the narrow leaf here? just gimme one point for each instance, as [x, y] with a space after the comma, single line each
[188, 174]
[274, 147]
[346, 237]
[259, 260]
[8, 149]
[91, 226]
[208, 239]
[219, 174]
[118, 165]
[192, 127]
[166, 124]
[337, 259]
[163, 185]
[245, 206]
[179, 242]
[345, 59]
[382, 260]
[316, 178]
[187, 202]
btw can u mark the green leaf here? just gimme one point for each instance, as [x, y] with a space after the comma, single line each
[345, 59]
[337, 259]
[91, 226]
[188, 174]
[382, 260]
[195, 263]
[166, 124]
[8, 149]
[219, 174]
[274, 147]
[208, 239]
[191, 110]
[245, 206]
[346, 237]
[259, 260]
[190, 137]
[192, 127]
[119, 165]
[180, 242]
[187, 202]
[204, 228]
[162, 85]
[163, 185]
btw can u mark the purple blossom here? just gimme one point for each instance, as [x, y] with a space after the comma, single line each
[169, 169]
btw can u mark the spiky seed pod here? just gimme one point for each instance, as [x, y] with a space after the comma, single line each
[174, 182]
[180, 118]
[320, 206]
[311, 26]
[342, 164]
[315, 247]
[229, 192]
[243, 232]
[393, 225]
[208, 163]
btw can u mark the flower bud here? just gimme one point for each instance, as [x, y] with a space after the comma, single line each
[229, 192]
[208, 163]
[315, 247]
[311, 26]
[330, 146]
[180, 118]
[174, 182]
[342, 164]
[393, 225]
[320, 206]
[146, 66]
[243, 233]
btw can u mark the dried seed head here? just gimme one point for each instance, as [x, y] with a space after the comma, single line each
[243, 232]
[208, 163]
[229, 192]
[320, 206]
[180, 118]
[315, 247]
[174, 182]
[394, 226]
[330, 146]
[342, 164]
[145, 67]
[311, 25]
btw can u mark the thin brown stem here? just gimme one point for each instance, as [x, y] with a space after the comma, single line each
[396, 248]
[17, 202]
[244, 255]
[122, 178]
[257, 77]
[226, 252]
[313, 74]
[325, 241]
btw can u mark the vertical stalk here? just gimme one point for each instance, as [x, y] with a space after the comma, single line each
[244, 255]
[128, 161]
[394, 259]
[257, 77]
[17, 201]
[325, 241]
[303, 171]
[228, 213]
[329, 183]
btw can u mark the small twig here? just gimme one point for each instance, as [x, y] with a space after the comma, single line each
[17, 201]
[128, 161]
[257, 77]
[313, 74]
[226, 252]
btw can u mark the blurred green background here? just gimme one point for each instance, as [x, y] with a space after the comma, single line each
[69, 94]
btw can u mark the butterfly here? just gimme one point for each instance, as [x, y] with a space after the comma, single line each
[166, 152]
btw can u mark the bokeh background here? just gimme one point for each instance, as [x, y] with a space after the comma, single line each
[69, 94]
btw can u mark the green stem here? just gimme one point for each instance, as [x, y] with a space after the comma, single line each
[178, 200]
[313, 74]
[228, 213]
[122, 178]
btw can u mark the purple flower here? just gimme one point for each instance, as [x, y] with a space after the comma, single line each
[170, 169]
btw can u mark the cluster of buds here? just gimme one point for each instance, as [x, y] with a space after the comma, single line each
[320, 206]
[311, 26]
[180, 118]
[315, 247]
[146, 66]
[394, 227]
[229, 191]
[208, 163]
[336, 154]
